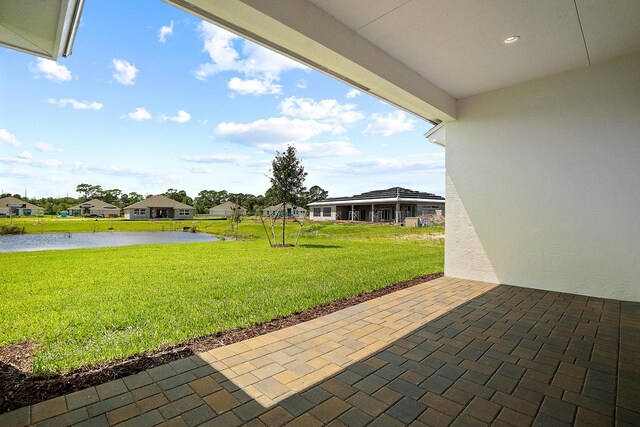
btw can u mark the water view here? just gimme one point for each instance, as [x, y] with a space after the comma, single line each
[41, 242]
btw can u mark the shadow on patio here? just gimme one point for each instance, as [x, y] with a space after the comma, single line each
[446, 352]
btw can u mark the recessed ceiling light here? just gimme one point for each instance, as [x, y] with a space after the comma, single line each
[511, 39]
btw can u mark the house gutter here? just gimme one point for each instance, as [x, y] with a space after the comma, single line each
[75, 23]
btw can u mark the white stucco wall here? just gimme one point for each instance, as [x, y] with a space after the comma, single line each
[543, 183]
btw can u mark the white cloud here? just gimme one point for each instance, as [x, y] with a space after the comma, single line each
[49, 163]
[353, 93]
[125, 73]
[139, 114]
[51, 70]
[46, 148]
[83, 168]
[315, 149]
[404, 165]
[256, 63]
[390, 123]
[76, 105]
[254, 86]
[200, 170]
[26, 158]
[236, 159]
[302, 84]
[326, 110]
[165, 30]
[181, 117]
[25, 155]
[274, 130]
[8, 138]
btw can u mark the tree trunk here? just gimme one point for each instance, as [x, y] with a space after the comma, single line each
[284, 220]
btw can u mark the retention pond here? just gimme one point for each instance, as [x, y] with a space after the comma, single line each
[42, 242]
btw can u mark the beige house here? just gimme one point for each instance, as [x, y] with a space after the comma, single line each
[390, 205]
[292, 211]
[95, 207]
[226, 209]
[159, 207]
[10, 206]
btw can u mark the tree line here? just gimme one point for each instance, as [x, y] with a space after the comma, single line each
[204, 200]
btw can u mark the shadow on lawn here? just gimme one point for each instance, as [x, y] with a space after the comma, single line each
[320, 246]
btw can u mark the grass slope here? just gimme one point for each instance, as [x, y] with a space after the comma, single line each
[87, 306]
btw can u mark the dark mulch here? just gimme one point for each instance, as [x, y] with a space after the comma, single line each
[18, 387]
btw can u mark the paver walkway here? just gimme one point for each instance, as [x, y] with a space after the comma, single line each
[447, 352]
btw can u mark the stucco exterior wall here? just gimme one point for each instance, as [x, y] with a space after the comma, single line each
[543, 183]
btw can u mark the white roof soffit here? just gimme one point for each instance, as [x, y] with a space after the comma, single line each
[304, 32]
[44, 28]
[436, 135]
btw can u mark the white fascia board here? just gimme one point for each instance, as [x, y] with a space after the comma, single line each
[70, 12]
[436, 135]
[306, 33]
[373, 201]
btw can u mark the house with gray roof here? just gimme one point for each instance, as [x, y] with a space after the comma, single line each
[226, 209]
[159, 207]
[95, 207]
[390, 205]
[11, 206]
[292, 211]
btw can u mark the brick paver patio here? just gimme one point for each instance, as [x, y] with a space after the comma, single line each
[447, 352]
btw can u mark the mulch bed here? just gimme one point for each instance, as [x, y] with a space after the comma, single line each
[18, 387]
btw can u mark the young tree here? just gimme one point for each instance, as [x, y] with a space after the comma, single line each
[287, 181]
[235, 218]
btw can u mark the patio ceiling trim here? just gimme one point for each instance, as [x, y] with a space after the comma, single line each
[306, 33]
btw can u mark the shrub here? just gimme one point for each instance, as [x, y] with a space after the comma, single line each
[11, 229]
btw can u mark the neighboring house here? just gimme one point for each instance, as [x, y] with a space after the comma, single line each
[226, 209]
[292, 211]
[95, 207]
[10, 206]
[159, 207]
[390, 205]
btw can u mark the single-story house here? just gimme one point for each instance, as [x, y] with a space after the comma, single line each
[292, 211]
[390, 205]
[95, 207]
[226, 209]
[159, 207]
[10, 206]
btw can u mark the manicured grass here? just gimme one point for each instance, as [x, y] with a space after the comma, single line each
[87, 306]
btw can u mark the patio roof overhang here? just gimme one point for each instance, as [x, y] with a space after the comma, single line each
[424, 56]
[42, 28]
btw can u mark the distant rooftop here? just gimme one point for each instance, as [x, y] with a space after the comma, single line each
[389, 193]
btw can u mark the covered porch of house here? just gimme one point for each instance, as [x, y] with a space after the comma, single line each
[375, 212]
[445, 352]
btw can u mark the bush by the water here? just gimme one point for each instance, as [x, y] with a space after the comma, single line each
[11, 229]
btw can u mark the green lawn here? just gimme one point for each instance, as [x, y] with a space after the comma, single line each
[87, 306]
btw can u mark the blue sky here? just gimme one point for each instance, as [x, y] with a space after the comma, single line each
[153, 98]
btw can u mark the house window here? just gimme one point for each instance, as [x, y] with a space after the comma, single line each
[326, 211]
[183, 212]
[316, 211]
[139, 212]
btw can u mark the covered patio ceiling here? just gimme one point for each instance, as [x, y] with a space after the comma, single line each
[423, 55]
